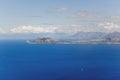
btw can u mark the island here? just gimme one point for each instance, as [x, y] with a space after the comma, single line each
[47, 40]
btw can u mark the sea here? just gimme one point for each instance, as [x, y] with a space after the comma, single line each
[21, 61]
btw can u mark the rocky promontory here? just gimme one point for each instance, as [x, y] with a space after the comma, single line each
[43, 41]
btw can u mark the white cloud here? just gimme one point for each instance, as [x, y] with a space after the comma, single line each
[110, 26]
[32, 29]
[68, 29]
[61, 9]
[2, 31]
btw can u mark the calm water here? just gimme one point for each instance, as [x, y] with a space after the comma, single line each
[20, 61]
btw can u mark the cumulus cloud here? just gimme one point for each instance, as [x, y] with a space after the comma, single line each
[32, 29]
[61, 9]
[110, 26]
[68, 29]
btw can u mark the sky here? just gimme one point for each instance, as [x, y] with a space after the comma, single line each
[59, 16]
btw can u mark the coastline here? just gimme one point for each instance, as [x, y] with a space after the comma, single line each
[32, 42]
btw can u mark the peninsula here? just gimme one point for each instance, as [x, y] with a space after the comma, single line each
[53, 41]
[80, 38]
[43, 41]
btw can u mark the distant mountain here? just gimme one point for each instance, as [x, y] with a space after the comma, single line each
[96, 36]
[82, 38]
[45, 40]
[88, 36]
[114, 36]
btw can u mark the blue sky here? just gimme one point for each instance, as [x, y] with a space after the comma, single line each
[64, 16]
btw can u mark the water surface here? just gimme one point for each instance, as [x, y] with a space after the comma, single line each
[21, 61]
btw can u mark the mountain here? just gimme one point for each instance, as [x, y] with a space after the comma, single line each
[88, 36]
[82, 37]
[96, 36]
[46, 40]
[114, 36]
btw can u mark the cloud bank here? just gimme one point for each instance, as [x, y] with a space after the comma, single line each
[67, 29]
[110, 26]
[32, 29]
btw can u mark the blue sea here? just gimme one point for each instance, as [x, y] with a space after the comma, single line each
[21, 61]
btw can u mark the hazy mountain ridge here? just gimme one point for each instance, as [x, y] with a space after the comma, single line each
[78, 37]
[88, 36]
[82, 37]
